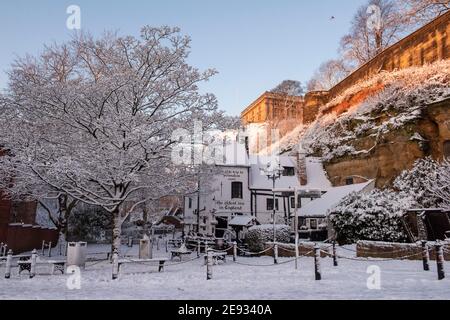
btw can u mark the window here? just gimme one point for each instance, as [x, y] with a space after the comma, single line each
[288, 171]
[190, 203]
[299, 202]
[447, 149]
[313, 224]
[349, 181]
[236, 190]
[270, 204]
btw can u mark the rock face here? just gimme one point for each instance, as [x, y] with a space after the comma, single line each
[397, 151]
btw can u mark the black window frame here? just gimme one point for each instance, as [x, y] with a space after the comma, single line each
[288, 171]
[269, 204]
[239, 192]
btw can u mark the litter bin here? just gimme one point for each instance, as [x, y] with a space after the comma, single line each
[76, 254]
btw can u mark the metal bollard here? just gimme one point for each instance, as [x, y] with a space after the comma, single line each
[317, 272]
[235, 251]
[167, 245]
[335, 261]
[43, 248]
[440, 261]
[209, 263]
[275, 254]
[425, 256]
[198, 248]
[8, 264]
[50, 249]
[33, 263]
[115, 265]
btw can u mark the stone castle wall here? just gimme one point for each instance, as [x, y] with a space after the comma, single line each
[426, 45]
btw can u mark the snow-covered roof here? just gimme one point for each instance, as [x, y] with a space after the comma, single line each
[235, 154]
[259, 180]
[317, 178]
[320, 207]
[242, 221]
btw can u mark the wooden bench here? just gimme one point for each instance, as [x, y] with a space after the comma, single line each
[217, 256]
[160, 261]
[57, 265]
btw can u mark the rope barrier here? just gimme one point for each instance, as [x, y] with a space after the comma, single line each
[254, 253]
[377, 260]
[225, 250]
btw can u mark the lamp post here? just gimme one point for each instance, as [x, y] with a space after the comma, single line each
[273, 173]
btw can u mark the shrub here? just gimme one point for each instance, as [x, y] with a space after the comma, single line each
[374, 216]
[257, 236]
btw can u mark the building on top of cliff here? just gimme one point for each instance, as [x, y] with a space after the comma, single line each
[274, 107]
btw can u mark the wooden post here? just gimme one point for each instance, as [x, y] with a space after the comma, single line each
[235, 251]
[50, 249]
[115, 263]
[317, 263]
[335, 262]
[8, 264]
[275, 253]
[33, 263]
[43, 248]
[440, 261]
[198, 247]
[209, 263]
[425, 256]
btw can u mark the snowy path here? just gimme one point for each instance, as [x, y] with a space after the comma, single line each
[399, 280]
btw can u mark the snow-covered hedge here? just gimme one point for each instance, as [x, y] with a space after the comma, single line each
[416, 183]
[257, 236]
[373, 216]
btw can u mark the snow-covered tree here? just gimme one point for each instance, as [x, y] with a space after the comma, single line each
[415, 182]
[375, 26]
[328, 75]
[93, 118]
[422, 11]
[370, 216]
[439, 184]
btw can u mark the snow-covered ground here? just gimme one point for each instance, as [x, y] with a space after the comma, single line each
[399, 280]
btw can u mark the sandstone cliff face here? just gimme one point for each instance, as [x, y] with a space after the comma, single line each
[396, 151]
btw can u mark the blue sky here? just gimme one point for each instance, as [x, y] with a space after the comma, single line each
[254, 44]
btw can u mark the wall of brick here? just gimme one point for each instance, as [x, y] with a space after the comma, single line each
[373, 249]
[21, 238]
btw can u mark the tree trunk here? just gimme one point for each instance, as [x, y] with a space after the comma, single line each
[117, 230]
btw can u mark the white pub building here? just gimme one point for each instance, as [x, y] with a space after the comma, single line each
[241, 190]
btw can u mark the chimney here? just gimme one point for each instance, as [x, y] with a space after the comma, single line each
[301, 168]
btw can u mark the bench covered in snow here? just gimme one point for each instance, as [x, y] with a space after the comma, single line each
[57, 265]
